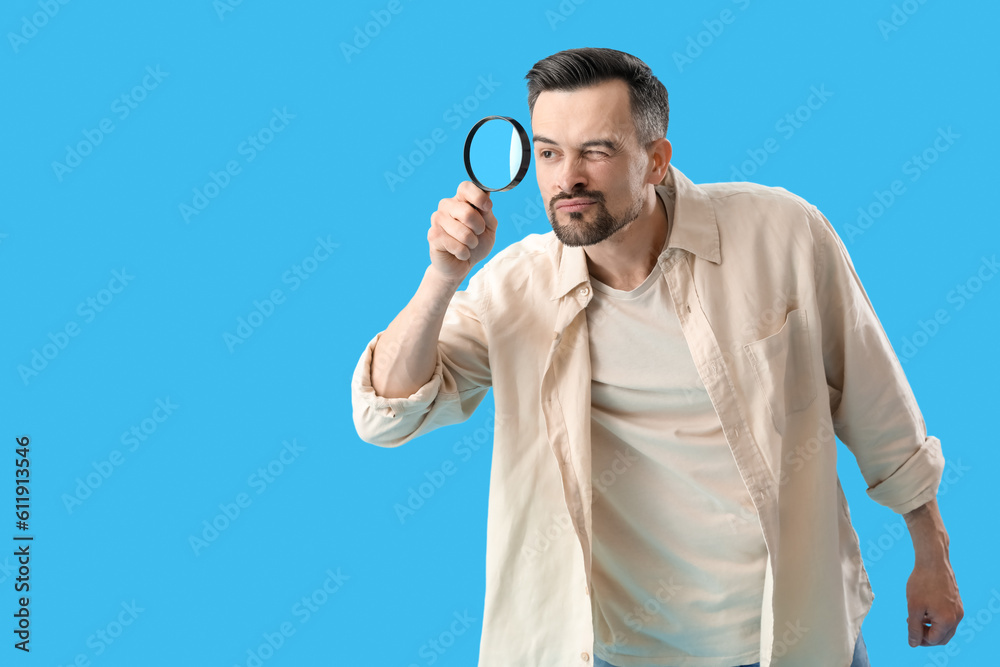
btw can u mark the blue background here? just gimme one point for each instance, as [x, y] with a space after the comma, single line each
[351, 109]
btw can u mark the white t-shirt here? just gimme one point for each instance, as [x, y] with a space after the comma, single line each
[678, 552]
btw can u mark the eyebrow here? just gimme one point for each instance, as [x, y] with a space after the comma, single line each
[607, 143]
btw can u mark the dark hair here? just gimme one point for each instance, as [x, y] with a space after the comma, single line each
[579, 68]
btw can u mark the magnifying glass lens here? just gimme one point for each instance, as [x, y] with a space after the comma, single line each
[497, 153]
[515, 154]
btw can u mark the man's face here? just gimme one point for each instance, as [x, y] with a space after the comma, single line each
[590, 167]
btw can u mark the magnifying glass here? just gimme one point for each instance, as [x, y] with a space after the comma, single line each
[500, 150]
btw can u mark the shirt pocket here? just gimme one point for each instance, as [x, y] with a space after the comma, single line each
[782, 364]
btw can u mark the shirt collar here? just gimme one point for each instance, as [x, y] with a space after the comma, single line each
[694, 228]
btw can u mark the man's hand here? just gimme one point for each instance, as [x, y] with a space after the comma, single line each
[932, 599]
[462, 232]
[935, 607]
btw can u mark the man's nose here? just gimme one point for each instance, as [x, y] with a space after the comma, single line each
[572, 175]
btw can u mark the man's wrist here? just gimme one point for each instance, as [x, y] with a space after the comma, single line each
[441, 280]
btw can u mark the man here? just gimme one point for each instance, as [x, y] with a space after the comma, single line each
[670, 366]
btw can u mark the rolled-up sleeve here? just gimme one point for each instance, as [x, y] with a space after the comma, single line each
[458, 385]
[875, 413]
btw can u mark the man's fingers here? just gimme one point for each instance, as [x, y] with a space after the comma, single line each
[941, 630]
[946, 635]
[463, 212]
[491, 220]
[444, 243]
[441, 239]
[459, 230]
[468, 191]
[461, 222]
[936, 634]
[928, 631]
[915, 623]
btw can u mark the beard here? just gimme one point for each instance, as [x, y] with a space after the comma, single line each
[602, 226]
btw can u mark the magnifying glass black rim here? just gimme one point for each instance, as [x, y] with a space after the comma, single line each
[525, 154]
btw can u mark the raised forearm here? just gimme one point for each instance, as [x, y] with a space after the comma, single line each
[403, 359]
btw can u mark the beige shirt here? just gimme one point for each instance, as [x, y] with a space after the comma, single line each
[790, 352]
[679, 557]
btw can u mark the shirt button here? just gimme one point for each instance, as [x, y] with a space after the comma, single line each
[586, 590]
[584, 291]
[585, 656]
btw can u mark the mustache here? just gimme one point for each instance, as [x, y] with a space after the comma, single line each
[596, 195]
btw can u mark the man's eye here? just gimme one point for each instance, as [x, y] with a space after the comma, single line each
[545, 154]
[597, 154]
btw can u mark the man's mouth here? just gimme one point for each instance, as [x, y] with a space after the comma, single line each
[573, 205]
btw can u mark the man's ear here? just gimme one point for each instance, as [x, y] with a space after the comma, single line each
[659, 159]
